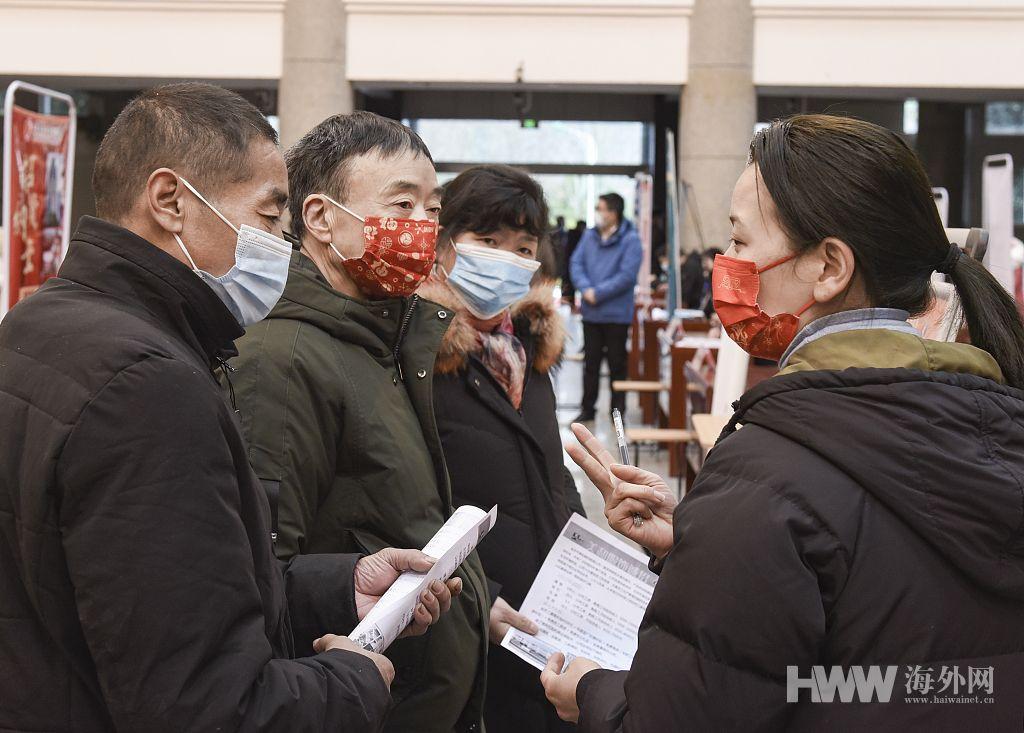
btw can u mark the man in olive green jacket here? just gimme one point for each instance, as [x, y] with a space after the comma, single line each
[334, 393]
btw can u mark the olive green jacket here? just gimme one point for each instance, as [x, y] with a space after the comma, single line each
[891, 349]
[335, 399]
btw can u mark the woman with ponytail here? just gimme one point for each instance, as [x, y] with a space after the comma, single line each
[867, 523]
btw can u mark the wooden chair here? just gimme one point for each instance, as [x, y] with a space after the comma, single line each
[674, 397]
[644, 365]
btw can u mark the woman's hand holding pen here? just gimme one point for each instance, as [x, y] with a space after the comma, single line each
[640, 492]
[627, 490]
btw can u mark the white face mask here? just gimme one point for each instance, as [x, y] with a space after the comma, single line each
[490, 280]
[253, 285]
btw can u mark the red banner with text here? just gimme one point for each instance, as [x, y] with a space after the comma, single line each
[37, 187]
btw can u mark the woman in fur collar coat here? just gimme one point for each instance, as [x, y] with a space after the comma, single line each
[495, 406]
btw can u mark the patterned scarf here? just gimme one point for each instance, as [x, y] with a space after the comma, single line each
[505, 358]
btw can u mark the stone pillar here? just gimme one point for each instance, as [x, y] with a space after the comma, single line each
[717, 113]
[313, 84]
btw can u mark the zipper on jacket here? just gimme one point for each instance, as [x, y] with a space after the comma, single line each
[226, 369]
[406, 319]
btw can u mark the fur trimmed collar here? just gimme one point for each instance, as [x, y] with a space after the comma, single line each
[537, 308]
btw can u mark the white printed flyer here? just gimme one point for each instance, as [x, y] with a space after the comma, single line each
[451, 545]
[588, 599]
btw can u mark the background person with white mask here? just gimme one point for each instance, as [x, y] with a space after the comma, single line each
[138, 587]
[496, 408]
[604, 268]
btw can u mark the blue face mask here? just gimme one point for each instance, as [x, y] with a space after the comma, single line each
[256, 281]
[490, 280]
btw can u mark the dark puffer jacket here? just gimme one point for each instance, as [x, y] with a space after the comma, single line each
[138, 587]
[513, 458]
[861, 516]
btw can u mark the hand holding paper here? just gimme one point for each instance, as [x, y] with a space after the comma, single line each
[560, 686]
[396, 609]
[376, 573]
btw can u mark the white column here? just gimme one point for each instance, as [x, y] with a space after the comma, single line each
[717, 113]
[313, 84]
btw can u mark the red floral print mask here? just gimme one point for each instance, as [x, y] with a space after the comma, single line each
[734, 288]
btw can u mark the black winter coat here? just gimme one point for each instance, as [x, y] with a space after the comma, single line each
[513, 458]
[869, 516]
[138, 587]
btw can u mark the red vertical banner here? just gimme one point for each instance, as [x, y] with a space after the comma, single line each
[36, 187]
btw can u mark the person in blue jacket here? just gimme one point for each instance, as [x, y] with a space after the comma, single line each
[604, 269]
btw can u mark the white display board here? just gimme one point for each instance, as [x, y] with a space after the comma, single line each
[644, 223]
[997, 217]
[730, 376]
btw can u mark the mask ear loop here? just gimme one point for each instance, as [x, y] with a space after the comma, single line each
[778, 262]
[343, 207]
[347, 211]
[437, 263]
[334, 249]
[187, 255]
[803, 310]
[213, 208]
[781, 261]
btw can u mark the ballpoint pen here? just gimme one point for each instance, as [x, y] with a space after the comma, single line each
[620, 438]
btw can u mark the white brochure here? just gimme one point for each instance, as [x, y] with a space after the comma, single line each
[451, 545]
[588, 599]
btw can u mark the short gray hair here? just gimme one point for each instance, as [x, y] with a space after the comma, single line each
[318, 163]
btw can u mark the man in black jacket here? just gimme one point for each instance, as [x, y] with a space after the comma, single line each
[138, 586]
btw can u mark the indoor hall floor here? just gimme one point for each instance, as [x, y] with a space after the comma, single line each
[568, 383]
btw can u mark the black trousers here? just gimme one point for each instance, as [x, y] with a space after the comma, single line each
[600, 341]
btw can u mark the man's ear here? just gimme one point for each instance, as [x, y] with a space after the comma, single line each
[314, 219]
[837, 268]
[163, 199]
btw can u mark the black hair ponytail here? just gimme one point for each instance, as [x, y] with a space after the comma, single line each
[992, 317]
[841, 177]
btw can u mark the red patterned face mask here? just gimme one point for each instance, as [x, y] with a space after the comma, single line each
[734, 288]
[397, 257]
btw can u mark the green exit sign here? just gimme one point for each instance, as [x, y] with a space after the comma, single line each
[529, 123]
